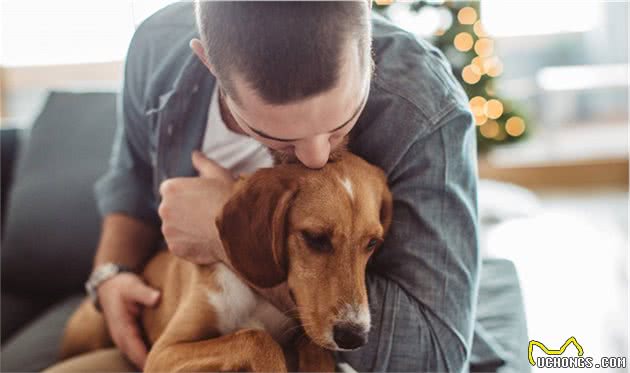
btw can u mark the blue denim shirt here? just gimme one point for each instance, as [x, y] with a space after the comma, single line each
[422, 285]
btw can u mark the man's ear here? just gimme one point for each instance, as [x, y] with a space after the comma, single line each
[253, 224]
[197, 47]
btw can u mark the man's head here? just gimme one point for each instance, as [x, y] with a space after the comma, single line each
[293, 75]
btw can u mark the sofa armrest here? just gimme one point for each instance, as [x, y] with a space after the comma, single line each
[10, 144]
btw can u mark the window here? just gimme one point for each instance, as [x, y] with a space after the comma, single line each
[520, 18]
[69, 31]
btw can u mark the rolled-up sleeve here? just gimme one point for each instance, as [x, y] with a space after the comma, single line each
[422, 284]
[127, 187]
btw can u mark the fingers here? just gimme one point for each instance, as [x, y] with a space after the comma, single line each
[139, 292]
[208, 168]
[122, 298]
[127, 337]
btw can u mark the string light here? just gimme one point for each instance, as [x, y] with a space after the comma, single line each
[515, 126]
[469, 75]
[478, 64]
[471, 35]
[476, 105]
[490, 129]
[463, 41]
[496, 69]
[479, 30]
[480, 119]
[467, 15]
[484, 47]
[493, 109]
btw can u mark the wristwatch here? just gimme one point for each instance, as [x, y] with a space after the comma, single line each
[101, 274]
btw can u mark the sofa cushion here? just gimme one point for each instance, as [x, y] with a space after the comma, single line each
[53, 225]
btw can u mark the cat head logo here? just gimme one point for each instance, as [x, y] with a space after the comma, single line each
[547, 351]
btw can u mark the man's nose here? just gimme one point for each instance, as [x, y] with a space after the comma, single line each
[314, 153]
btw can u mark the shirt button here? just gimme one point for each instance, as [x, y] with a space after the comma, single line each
[169, 129]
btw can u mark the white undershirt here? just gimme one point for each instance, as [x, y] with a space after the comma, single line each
[238, 153]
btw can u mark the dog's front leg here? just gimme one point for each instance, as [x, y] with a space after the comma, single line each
[246, 350]
[314, 358]
[85, 331]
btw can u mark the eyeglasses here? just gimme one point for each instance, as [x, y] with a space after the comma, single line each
[266, 136]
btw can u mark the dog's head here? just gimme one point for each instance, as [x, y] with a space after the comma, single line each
[315, 229]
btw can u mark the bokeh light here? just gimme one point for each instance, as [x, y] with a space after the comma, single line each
[496, 68]
[484, 47]
[479, 30]
[469, 75]
[515, 126]
[493, 109]
[463, 41]
[478, 63]
[480, 119]
[477, 104]
[467, 16]
[490, 129]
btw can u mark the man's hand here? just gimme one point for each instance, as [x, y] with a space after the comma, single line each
[122, 298]
[188, 210]
[189, 207]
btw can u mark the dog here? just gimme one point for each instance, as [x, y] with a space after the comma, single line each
[313, 229]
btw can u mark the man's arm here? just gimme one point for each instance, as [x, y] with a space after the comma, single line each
[127, 187]
[422, 286]
[125, 240]
[126, 199]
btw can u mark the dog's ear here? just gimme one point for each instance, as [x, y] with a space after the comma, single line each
[386, 209]
[253, 223]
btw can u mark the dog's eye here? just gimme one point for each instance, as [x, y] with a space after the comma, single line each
[374, 242]
[319, 242]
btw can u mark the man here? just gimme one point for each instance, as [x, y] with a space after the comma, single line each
[298, 78]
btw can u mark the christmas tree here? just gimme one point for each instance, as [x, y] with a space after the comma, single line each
[460, 35]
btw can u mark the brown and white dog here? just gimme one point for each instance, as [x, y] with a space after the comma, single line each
[314, 229]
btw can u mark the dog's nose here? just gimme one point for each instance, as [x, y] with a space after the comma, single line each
[349, 336]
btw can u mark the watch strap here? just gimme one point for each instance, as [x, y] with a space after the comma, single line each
[101, 274]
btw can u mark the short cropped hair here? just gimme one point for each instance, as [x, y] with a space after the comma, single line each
[284, 50]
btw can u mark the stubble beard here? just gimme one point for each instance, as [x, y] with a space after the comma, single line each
[280, 157]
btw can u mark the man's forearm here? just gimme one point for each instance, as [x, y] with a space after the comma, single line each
[125, 240]
[405, 335]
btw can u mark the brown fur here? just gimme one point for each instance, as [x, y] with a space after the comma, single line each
[261, 229]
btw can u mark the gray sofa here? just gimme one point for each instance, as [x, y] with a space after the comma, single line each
[50, 228]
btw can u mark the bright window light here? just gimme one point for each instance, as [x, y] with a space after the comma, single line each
[562, 78]
[518, 18]
[69, 31]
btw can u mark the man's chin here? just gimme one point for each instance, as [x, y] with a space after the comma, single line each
[280, 157]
